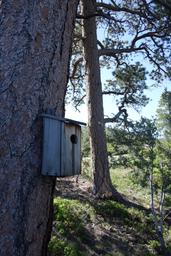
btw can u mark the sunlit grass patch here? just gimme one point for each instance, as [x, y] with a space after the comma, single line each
[123, 182]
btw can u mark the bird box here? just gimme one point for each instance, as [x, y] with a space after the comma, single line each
[61, 146]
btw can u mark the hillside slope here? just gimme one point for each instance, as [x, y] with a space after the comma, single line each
[86, 226]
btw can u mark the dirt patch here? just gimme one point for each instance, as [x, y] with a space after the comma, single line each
[74, 187]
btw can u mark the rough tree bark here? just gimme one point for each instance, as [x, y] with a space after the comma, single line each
[35, 46]
[102, 182]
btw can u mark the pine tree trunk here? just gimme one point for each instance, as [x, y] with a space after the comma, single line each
[102, 182]
[35, 44]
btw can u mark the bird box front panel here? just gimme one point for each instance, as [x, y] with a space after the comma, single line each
[71, 150]
[52, 140]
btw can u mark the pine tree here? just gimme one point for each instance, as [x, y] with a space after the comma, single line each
[130, 28]
[35, 47]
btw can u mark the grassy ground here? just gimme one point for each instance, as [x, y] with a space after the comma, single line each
[85, 226]
[123, 181]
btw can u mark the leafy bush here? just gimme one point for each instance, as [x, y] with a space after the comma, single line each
[58, 247]
[70, 216]
[153, 245]
[69, 229]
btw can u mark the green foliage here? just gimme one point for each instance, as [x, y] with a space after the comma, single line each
[85, 142]
[153, 245]
[164, 115]
[162, 170]
[149, 157]
[86, 168]
[58, 247]
[128, 85]
[126, 182]
[144, 136]
[111, 209]
[70, 216]
[141, 150]
[117, 145]
[132, 146]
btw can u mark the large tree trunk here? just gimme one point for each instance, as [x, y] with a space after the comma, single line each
[35, 46]
[102, 182]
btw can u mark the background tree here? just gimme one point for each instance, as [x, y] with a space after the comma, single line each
[35, 49]
[131, 28]
[149, 160]
[153, 158]
[145, 156]
[164, 116]
[101, 177]
[164, 147]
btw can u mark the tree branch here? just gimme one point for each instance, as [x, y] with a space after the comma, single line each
[79, 101]
[112, 92]
[116, 8]
[79, 16]
[113, 52]
[99, 13]
[100, 44]
[146, 35]
[75, 66]
[147, 50]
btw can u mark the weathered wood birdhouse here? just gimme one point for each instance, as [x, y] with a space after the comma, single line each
[61, 146]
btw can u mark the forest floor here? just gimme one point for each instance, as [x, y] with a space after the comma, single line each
[86, 226]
